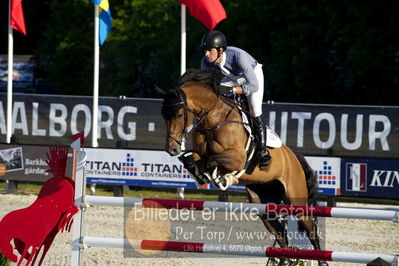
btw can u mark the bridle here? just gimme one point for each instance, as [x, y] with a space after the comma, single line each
[182, 103]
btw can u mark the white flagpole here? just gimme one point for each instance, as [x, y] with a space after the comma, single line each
[183, 50]
[180, 191]
[94, 142]
[183, 40]
[9, 76]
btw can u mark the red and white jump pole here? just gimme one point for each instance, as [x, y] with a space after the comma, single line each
[334, 212]
[243, 250]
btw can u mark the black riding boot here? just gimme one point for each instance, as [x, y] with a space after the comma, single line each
[260, 131]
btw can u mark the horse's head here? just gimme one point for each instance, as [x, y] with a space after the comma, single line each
[179, 119]
[190, 102]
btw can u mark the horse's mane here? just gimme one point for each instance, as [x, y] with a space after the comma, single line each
[210, 77]
[175, 98]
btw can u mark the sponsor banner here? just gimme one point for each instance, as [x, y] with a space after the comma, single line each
[336, 130]
[157, 168]
[317, 130]
[27, 163]
[123, 123]
[370, 177]
[138, 168]
[23, 72]
[336, 176]
[328, 171]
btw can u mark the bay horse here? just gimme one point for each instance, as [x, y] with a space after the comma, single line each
[219, 142]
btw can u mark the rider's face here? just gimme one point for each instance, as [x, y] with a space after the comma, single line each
[212, 54]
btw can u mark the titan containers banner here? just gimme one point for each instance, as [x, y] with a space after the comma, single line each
[328, 171]
[137, 168]
[370, 178]
[317, 130]
[157, 168]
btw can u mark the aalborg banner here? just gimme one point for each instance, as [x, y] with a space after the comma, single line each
[326, 130]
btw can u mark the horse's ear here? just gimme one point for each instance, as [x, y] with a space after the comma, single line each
[160, 91]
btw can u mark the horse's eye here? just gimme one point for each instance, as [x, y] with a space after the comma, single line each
[179, 116]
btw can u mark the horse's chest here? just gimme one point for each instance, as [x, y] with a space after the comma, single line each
[215, 147]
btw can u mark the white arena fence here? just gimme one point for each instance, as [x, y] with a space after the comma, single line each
[80, 242]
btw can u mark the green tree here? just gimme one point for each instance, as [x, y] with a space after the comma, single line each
[324, 51]
[66, 53]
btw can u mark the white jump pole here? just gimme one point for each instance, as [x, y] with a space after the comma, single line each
[334, 212]
[257, 251]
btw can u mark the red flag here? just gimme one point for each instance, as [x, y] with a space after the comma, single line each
[208, 12]
[17, 16]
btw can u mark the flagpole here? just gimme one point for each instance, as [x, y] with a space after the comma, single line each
[94, 142]
[9, 76]
[180, 191]
[183, 50]
[183, 40]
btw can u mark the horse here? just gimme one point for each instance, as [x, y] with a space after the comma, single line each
[220, 148]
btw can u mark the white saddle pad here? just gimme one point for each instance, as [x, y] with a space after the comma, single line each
[273, 140]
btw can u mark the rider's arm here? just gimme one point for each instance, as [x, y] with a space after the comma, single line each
[251, 84]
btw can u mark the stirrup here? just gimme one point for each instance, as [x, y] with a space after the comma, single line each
[264, 160]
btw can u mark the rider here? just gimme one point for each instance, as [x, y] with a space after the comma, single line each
[242, 75]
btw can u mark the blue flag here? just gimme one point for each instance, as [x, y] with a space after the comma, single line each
[105, 23]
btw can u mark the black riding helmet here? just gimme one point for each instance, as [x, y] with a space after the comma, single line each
[213, 39]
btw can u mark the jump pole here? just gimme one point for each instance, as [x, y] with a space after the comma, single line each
[333, 212]
[255, 251]
[79, 242]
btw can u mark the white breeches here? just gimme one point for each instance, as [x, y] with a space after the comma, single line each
[255, 99]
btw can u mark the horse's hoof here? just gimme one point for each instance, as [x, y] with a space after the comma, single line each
[223, 184]
[202, 180]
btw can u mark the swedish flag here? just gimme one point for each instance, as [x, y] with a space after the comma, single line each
[105, 19]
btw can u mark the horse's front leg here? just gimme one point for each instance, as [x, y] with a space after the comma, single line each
[223, 166]
[195, 165]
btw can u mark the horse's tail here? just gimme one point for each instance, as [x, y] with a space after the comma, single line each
[311, 179]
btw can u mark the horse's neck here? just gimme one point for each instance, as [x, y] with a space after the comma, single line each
[199, 96]
[202, 98]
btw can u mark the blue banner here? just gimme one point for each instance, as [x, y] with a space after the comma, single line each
[370, 178]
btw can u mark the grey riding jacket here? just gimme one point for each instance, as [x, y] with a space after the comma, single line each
[237, 64]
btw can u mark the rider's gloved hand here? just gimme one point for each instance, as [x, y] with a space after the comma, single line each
[225, 90]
